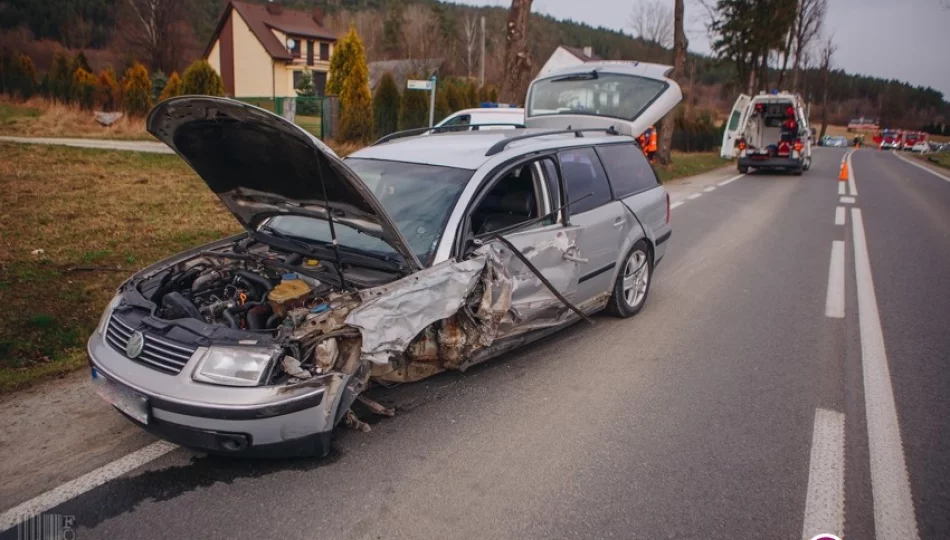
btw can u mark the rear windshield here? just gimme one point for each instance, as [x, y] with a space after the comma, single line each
[595, 93]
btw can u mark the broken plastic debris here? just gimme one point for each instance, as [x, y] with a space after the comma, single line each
[292, 368]
[38, 252]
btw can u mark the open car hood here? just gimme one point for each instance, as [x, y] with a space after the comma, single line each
[626, 96]
[262, 165]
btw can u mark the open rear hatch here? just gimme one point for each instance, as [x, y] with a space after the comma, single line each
[626, 96]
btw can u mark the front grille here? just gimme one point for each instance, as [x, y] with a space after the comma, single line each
[156, 353]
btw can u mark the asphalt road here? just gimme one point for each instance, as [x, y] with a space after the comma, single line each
[747, 400]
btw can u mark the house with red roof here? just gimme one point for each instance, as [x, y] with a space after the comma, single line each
[262, 50]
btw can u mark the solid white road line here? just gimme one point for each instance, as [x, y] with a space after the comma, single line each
[676, 205]
[84, 483]
[839, 215]
[842, 188]
[824, 504]
[731, 180]
[834, 301]
[851, 186]
[694, 196]
[847, 200]
[890, 486]
[710, 188]
[924, 167]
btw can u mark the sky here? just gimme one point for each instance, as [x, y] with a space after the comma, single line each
[907, 40]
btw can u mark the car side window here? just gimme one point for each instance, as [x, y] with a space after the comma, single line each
[585, 180]
[514, 197]
[628, 170]
[460, 120]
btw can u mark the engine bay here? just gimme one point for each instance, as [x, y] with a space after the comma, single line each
[265, 294]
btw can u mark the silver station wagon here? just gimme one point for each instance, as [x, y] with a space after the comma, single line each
[411, 257]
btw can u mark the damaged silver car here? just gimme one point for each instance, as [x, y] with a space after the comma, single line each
[413, 256]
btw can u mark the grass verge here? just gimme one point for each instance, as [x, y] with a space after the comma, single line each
[39, 117]
[690, 164]
[942, 159]
[73, 224]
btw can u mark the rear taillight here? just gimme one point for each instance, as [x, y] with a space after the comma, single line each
[667, 208]
[741, 144]
[798, 145]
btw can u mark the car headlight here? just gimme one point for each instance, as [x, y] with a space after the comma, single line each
[235, 366]
[107, 314]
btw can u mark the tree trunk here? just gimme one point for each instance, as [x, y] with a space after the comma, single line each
[517, 56]
[824, 102]
[679, 60]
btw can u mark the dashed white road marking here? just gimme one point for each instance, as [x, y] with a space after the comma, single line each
[694, 196]
[731, 180]
[924, 167]
[676, 205]
[710, 188]
[842, 188]
[834, 301]
[840, 215]
[894, 517]
[851, 186]
[824, 504]
[847, 200]
[84, 483]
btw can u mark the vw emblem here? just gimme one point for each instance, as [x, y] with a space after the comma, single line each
[134, 347]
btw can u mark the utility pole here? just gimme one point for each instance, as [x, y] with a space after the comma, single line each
[481, 78]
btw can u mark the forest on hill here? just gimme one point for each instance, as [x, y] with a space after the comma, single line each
[394, 29]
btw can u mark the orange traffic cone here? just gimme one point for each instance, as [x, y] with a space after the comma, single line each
[843, 176]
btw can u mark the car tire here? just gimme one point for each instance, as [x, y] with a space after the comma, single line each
[743, 169]
[632, 285]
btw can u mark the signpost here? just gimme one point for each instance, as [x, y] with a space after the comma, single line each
[425, 85]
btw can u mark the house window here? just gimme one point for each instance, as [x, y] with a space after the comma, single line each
[320, 82]
[298, 75]
[295, 52]
[324, 51]
[309, 52]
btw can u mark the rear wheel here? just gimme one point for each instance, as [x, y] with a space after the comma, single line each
[743, 169]
[633, 282]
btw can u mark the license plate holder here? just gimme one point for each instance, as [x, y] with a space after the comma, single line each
[131, 403]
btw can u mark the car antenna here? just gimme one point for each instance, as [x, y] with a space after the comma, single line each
[336, 244]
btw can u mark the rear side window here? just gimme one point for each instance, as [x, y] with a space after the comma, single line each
[627, 168]
[583, 176]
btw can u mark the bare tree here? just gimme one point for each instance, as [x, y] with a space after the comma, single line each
[826, 53]
[155, 31]
[422, 37]
[652, 20]
[469, 37]
[807, 26]
[679, 61]
[518, 60]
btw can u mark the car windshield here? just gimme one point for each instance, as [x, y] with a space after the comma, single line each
[419, 198]
[603, 94]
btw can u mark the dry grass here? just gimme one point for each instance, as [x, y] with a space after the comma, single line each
[84, 208]
[40, 117]
[690, 165]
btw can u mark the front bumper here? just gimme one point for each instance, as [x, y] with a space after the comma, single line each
[252, 422]
[771, 163]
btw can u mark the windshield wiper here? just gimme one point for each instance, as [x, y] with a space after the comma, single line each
[325, 250]
[304, 248]
[589, 76]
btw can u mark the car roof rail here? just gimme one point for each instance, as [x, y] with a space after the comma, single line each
[442, 129]
[501, 145]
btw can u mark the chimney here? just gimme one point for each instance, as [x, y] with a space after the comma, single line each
[317, 16]
[588, 51]
[273, 9]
